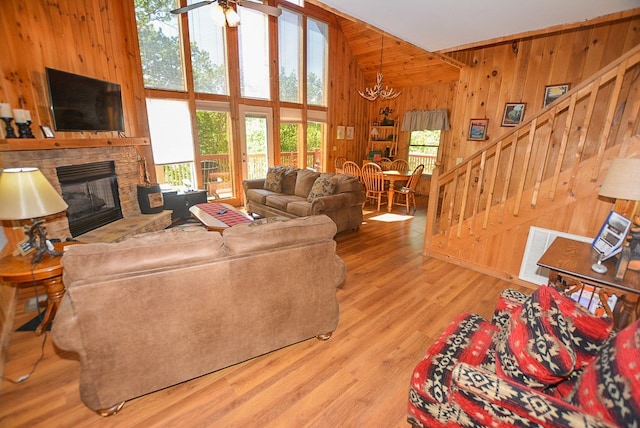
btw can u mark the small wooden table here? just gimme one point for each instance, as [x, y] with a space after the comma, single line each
[218, 216]
[19, 270]
[569, 263]
[392, 177]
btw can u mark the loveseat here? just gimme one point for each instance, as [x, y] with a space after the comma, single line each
[543, 361]
[161, 308]
[293, 192]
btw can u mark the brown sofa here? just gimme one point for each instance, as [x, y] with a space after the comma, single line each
[293, 192]
[161, 308]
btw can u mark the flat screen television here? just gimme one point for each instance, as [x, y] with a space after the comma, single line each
[80, 103]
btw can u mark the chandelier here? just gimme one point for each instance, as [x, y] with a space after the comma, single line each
[376, 91]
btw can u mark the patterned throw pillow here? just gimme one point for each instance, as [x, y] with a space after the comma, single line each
[275, 175]
[610, 386]
[324, 185]
[538, 351]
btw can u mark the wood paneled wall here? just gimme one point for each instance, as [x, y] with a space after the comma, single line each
[519, 71]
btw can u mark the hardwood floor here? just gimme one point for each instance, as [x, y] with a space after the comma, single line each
[394, 304]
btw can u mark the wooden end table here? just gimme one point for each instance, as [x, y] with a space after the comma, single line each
[19, 270]
[569, 263]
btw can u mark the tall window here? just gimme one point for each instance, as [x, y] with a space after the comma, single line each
[423, 149]
[290, 55]
[253, 36]
[160, 47]
[315, 137]
[208, 53]
[317, 61]
[215, 157]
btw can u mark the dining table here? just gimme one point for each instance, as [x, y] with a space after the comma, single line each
[394, 177]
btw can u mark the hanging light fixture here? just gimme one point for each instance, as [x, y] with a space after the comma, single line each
[222, 13]
[376, 91]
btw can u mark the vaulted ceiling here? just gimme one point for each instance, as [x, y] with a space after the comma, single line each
[411, 27]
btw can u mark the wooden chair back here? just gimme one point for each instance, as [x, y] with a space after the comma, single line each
[385, 164]
[415, 178]
[351, 168]
[399, 165]
[338, 164]
[373, 182]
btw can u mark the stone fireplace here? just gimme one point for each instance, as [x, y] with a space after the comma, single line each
[125, 162]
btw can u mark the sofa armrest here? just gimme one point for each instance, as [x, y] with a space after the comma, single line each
[256, 183]
[65, 330]
[334, 202]
[482, 395]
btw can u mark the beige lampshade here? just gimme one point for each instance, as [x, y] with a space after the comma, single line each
[622, 180]
[25, 193]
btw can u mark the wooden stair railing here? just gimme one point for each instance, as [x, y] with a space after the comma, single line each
[599, 113]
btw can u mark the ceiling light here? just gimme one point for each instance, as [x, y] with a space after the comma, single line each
[376, 91]
[217, 15]
[233, 19]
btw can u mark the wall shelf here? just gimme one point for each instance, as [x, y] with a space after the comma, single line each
[17, 144]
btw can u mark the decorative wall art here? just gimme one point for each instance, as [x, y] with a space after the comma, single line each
[350, 132]
[478, 129]
[552, 92]
[340, 133]
[513, 114]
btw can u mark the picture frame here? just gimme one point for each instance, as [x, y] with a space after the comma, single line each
[612, 235]
[478, 129]
[47, 131]
[340, 133]
[552, 92]
[350, 132]
[513, 114]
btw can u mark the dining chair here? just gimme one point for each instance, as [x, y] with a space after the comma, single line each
[385, 164]
[352, 168]
[408, 192]
[399, 165]
[338, 164]
[374, 183]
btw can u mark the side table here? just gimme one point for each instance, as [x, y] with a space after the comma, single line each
[19, 270]
[569, 263]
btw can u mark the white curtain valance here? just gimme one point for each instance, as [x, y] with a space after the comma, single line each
[420, 120]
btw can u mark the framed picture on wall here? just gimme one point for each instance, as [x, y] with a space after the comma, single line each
[46, 131]
[513, 114]
[552, 92]
[478, 129]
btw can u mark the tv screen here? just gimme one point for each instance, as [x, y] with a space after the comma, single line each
[82, 103]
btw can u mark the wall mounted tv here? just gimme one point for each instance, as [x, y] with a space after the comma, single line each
[82, 103]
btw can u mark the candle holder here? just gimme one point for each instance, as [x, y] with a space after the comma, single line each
[24, 130]
[8, 128]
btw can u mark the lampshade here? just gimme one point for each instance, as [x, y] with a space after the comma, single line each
[233, 19]
[622, 180]
[25, 193]
[217, 15]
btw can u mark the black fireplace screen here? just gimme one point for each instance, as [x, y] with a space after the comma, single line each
[91, 191]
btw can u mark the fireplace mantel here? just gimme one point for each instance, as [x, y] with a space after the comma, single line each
[17, 144]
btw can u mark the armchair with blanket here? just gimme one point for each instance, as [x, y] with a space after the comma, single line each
[543, 361]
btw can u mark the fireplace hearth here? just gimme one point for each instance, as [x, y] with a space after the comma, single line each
[91, 191]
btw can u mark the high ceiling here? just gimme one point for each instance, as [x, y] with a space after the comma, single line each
[436, 26]
[417, 34]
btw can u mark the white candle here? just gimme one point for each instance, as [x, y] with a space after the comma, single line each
[27, 115]
[5, 110]
[20, 115]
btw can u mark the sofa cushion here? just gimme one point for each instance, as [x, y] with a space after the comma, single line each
[608, 387]
[275, 176]
[304, 181]
[324, 185]
[259, 196]
[538, 351]
[257, 236]
[347, 183]
[280, 201]
[289, 181]
[170, 247]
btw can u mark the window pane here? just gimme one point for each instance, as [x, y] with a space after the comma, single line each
[160, 47]
[290, 54]
[215, 158]
[170, 128]
[423, 149]
[257, 154]
[317, 61]
[253, 38]
[208, 53]
[289, 137]
[315, 137]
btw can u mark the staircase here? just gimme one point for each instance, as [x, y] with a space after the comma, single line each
[546, 172]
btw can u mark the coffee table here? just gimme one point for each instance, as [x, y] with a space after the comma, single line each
[219, 216]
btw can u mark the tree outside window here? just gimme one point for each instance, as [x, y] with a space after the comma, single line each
[423, 149]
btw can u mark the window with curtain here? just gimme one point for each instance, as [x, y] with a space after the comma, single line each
[424, 140]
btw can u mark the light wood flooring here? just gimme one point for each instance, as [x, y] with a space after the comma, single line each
[394, 304]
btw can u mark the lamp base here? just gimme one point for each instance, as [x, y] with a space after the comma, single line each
[599, 267]
[38, 240]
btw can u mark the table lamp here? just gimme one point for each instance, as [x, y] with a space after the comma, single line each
[25, 193]
[623, 182]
